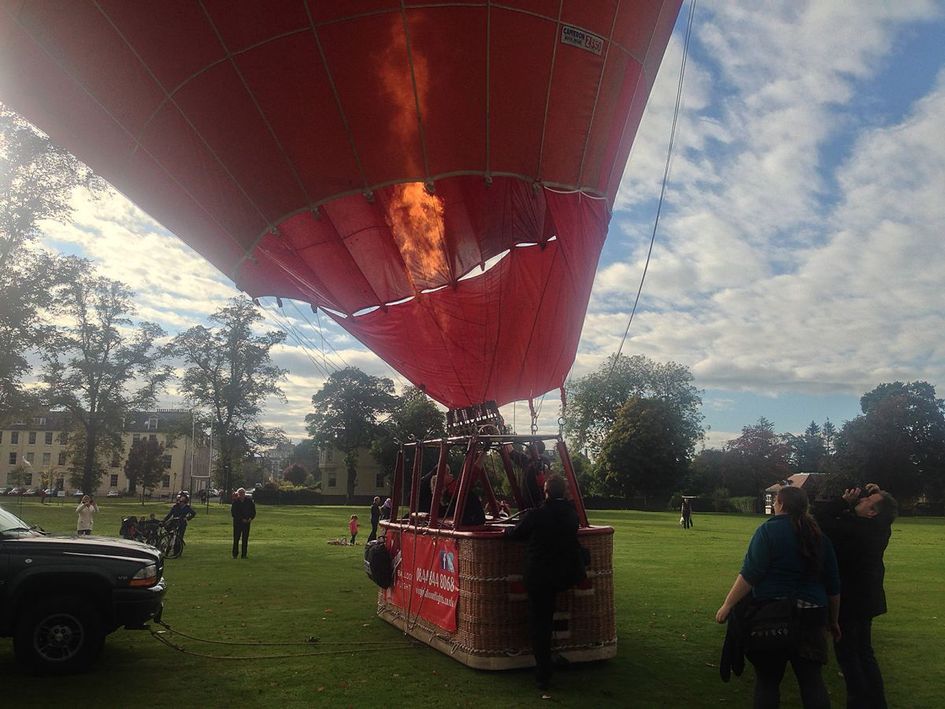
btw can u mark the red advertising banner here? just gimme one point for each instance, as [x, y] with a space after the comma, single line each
[426, 579]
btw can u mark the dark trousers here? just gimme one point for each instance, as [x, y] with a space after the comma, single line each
[541, 612]
[769, 673]
[860, 670]
[687, 522]
[373, 535]
[240, 533]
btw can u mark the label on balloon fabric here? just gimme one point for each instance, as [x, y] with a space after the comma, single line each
[584, 40]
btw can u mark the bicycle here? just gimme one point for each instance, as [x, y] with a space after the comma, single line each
[171, 538]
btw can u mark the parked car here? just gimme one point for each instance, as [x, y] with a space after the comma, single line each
[31, 491]
[78, 493]
[4, 490]
[113, 493]
[17, 491]
[60, 596]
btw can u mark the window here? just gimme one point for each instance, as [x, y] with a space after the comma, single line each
[14, 437]
[12, 458]
[47, 459]
[1, 436]
[39, 420]
[332, 479]
[166, 481]
[60, 484]
[379, 479]
[166, 461]
[151, 424]
[30, 457]
[32, 437]
[152, 437]
[135, 438]
[27, 479]
[113, 480]
[116, 459]
[63, 438]
[47, 438]
[62, 458]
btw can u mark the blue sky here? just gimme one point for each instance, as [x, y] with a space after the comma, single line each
[800, 257]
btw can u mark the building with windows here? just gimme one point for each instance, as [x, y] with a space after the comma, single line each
[372, 479]
[34, 451]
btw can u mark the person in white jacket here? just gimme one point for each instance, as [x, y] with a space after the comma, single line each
[85, 510]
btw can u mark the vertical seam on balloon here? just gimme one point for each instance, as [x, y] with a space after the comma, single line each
[600, 82]
[488, 94]
[232, 61]
[337, 97]
[58, 61]
[531, 335]
[551, 76]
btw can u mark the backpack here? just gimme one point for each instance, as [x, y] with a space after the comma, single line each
[129, 527]
[377, 563]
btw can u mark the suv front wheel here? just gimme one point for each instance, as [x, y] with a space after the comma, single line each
[58, 635]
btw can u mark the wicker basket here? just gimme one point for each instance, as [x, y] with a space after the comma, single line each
[492, 631]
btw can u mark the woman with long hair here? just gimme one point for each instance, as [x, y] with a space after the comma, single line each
[789, 558]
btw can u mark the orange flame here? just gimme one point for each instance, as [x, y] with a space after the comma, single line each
[416, 221]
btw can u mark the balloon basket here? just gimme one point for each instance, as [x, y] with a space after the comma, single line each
[460, 590]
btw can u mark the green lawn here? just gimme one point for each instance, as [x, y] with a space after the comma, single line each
[295, 586]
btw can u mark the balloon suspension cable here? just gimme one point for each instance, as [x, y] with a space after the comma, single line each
[534, 415]
[669, 156]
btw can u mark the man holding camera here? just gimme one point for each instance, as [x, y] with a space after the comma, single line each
[859, 524]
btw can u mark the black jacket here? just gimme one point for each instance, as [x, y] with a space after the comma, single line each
[375, 514]
[552, 553]
[859, 543]
[243, 509]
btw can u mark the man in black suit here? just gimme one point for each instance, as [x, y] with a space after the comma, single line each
[243, 510]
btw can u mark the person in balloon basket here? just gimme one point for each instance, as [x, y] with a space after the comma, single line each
[859, 523]
[789, 557]
[535, 468]
[243, 511]
[553, 563]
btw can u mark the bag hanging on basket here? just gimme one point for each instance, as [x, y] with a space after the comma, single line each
[773, 626]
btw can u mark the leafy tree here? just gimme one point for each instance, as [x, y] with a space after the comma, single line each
[706, 472]
[145, 464]
[808, 452]
[99, 368]
[829, 435]
[37, 180]
[594, 399]
[898, 441]
[348, 409]
[415, 416]
[647, 450]
[756, 459]
[230, 374]
[295, 474]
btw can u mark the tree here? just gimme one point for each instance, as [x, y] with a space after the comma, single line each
[37, 180]
[347, 414]
[145, 464]
[755, 460]
[647, 450]
[99, 368]
[230, 374]
[594, 399]
[808, 452]
[898, 442]
[295, 474]
[415, 416]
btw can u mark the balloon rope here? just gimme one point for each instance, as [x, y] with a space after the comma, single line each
[669, 155]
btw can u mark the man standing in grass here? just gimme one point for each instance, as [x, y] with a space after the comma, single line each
[243, 511]
[859, 523]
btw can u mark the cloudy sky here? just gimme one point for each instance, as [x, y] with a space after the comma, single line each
[799, 259]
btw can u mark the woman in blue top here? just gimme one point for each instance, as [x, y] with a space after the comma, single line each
[789, 557]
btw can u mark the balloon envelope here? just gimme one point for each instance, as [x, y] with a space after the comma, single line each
[438, 177]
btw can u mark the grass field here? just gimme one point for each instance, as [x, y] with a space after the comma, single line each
[294, 586]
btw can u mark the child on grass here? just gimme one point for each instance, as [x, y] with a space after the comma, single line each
[353, 527]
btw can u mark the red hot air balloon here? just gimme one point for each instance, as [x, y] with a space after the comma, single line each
[436, 176]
